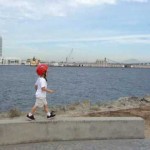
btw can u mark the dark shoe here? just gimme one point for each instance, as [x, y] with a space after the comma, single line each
[30, 117]
[52, 115]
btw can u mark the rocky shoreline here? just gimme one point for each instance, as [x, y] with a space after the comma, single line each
[86, 108]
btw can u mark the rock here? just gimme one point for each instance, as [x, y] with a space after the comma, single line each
[146, 98]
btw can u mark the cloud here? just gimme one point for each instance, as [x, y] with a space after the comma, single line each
[140, 1]
[93, 2]
[145, 39]
[128, 39]
[30, 9]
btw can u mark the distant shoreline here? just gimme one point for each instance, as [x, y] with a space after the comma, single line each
[131, 66]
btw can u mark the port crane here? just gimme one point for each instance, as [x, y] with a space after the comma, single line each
[69, 55]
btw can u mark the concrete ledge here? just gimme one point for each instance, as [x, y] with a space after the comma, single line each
[77, 128]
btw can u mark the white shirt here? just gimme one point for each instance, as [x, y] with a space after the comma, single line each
[41, 82]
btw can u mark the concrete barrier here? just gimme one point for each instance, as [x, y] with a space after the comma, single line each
[77, 128]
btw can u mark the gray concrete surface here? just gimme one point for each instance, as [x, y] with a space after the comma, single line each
[126, 144]
[76, 128]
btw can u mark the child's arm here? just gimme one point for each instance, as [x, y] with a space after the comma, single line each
[47, 90]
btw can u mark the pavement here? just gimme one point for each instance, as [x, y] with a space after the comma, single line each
[125, 144]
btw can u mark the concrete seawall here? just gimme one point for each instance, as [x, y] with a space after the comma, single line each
[77, 128]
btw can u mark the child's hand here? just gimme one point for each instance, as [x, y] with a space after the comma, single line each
[51, 91]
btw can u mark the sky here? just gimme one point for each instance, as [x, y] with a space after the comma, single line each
[88, 29]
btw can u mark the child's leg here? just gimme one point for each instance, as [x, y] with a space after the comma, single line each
[33, 109]
[46, 110]
[30, 115]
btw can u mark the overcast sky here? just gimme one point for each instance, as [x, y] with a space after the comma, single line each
[94, 29]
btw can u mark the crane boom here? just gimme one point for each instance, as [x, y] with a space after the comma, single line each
[68, 57]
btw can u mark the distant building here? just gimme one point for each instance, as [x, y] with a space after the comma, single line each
[10, 61]
[1, 60]
[0, 46]
[101, 63]
[34, 61]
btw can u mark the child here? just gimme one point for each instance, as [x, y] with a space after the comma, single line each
[41, 90]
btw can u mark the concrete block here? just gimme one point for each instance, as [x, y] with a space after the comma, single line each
[77, 128]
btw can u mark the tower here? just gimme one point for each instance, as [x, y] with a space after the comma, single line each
[0, 46]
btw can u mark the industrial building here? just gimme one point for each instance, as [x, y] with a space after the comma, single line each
[10, 61]
[0, 46]
[0, 50]
[7, 60]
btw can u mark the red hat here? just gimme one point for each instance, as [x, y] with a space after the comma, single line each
[41, 69]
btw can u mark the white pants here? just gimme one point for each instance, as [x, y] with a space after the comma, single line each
[40, 102]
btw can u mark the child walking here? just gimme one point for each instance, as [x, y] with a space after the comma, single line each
[41, 90]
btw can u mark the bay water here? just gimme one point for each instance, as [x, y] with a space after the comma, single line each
[72, 84]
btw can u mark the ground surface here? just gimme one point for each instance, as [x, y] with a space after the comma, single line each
[84, 145]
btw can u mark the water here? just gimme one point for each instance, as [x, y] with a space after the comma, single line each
[72, 84]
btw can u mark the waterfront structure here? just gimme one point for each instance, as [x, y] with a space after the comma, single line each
[33, 61]
[0, 47]
[10, 61]
[1, 60]
[101, 63]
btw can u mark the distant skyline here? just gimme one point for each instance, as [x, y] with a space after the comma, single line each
[94, 29]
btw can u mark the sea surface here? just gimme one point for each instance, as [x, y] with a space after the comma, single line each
[72, 84]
